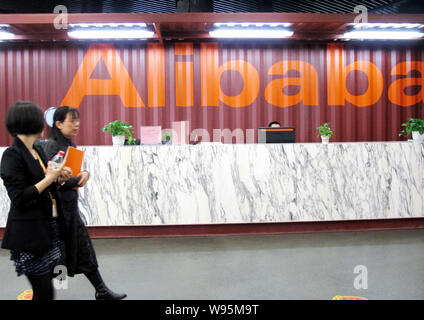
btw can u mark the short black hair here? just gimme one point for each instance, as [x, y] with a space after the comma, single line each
[274, 122]
[60, 115]
[24, 117]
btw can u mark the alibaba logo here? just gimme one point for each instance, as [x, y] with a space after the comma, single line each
[210, 71]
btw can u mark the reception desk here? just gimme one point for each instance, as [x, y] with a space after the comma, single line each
[208, 184]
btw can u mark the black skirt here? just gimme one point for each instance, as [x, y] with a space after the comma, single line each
[38, 264]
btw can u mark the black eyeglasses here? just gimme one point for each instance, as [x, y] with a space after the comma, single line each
[74, 121]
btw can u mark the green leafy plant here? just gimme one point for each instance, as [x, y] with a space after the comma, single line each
[166, 136]
[413, 124]
[325, 130]
[118, 128]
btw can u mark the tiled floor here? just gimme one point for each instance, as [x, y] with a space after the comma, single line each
[388, 265]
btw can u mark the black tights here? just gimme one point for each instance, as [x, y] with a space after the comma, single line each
[95, 278]
[42, 286]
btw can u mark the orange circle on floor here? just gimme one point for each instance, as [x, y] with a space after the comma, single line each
[348, 298]
[26, 295]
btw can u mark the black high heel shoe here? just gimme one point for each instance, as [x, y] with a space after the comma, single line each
[104, 293]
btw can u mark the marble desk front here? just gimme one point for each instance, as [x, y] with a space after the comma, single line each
[247, 183]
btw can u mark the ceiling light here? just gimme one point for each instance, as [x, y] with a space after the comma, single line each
[110, 31]
[250, 33]
[110, 34]
[380, 34]
[251, 30]
[113, 25]
[387, 25]
[5, 35]
[257, 24]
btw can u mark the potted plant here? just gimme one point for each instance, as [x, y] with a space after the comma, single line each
[119, 131]
[414, 126]
[325, 132]
[166, 137]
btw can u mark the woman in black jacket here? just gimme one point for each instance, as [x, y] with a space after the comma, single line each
[81, 257]
[34, 225]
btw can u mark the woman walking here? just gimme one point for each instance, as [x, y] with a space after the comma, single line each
[81, 257]
[34, 227]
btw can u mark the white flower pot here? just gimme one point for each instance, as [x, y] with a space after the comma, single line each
[118, 140]
[417, 137]
[325, 139]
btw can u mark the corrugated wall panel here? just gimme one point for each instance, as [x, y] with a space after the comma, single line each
[365, 90]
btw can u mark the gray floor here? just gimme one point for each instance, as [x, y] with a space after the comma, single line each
[287, 266]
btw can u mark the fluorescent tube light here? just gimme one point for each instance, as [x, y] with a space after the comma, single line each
[395, 35]
[4, 35]
[247, 24]
[250, 33]
[387, 25]
[110, 34]
[100, 25]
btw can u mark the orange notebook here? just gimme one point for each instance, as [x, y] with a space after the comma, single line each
[73, 160]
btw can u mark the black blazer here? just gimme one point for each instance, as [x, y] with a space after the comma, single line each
[28, 226]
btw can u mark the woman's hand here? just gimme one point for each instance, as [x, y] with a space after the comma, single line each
[84, 175]
[65, 174]
[53, 174]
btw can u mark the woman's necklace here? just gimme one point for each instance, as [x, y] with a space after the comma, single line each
[34, 153]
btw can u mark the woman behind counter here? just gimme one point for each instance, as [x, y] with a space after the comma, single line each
[81, 257]
[34, 227]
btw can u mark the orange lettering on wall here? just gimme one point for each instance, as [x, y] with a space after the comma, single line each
[184, 76]
[209, 74]
[337, 75]
[210, 78]
[156, 75]
[375, 84]
[250, 80]
[308, 83]
[397, 94]
[119, 84]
